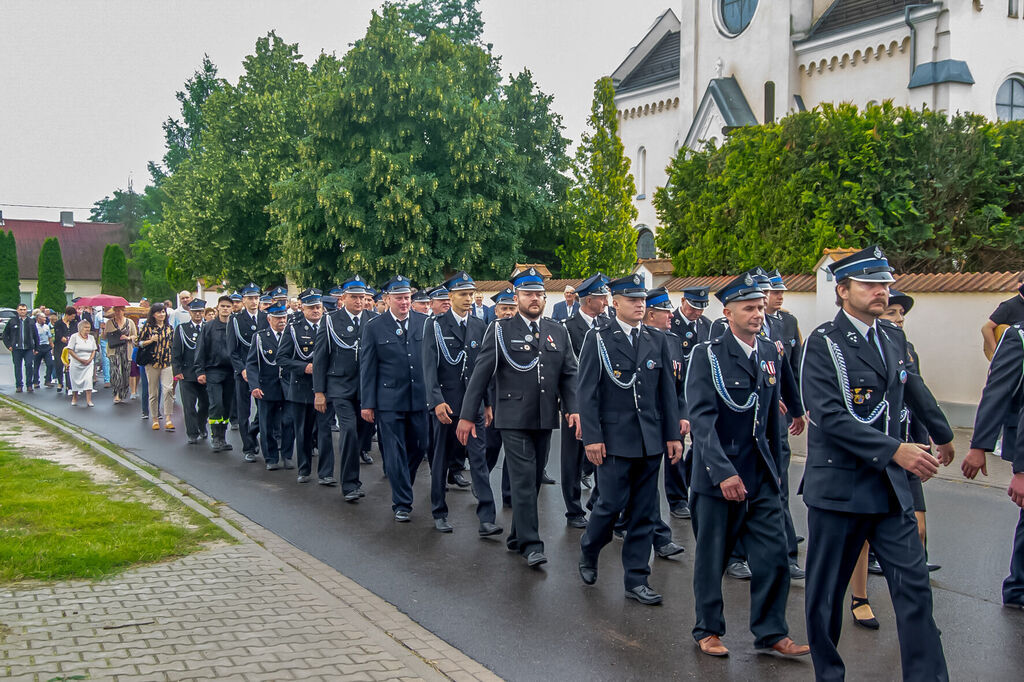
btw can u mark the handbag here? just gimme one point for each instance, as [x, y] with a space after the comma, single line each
[145, 354]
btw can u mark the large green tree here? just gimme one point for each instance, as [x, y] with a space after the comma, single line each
[51, 283]
[407, 166]
[114, 273]
[937, 192]
[601, 234]
[460, 20]
[215, 220]
[10, 284]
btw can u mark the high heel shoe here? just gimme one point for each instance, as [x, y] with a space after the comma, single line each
[869, 623]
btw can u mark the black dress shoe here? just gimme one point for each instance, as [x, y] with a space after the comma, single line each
[365, 458]
[796, 573]
[442, 525]
[799, 539]
[352, 496]
[546, 480]
[669, 549]
[458, 479]
[680, 512]
[402, 516]
[588, 573]
[738, 570]
[587, 482]
[619, 534]
[487, 528]
[933, 567]
[535, 559]
[576, 522]
[874, 568]
[644, 595]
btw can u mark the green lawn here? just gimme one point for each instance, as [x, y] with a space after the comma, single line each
[57, 524]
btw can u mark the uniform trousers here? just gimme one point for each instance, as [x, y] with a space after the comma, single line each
[717, 525]
[630, 485]
[493, 451]
[347, 412]
[402, 437]
[366, 431]
[834, 542]
[525, 456]
[195, 406]
[447, 448]
[787, 514]
[572, 455]
[271, 415]
[1013, 586]
[304, 418]
[243, 411]
[662, 533]
[675, 483]
[220, 389]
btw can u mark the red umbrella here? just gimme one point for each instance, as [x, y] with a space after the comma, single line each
[105, 300]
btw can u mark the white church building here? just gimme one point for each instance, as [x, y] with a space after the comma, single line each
[720, 64]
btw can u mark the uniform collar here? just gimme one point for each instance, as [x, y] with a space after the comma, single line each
[861, 328]
[747, 350]
[528, 322]
[586, 318]
[459, 320]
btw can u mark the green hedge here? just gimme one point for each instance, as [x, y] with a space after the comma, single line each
[938, 193]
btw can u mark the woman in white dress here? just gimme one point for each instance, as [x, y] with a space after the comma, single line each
[82, 353]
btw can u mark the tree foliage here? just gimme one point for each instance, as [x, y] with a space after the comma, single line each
[938, 193]
[215, 220]
[600, 209]
[408, 165]
[460, 20]
[114, 274]
[10, 283]
[51, 283]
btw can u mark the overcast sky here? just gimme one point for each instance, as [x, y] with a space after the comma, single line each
[85, 85]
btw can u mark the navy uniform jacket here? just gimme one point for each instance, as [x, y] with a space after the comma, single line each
[445, 382]
[675, 352]
[391, 364]
[728, 442]
[913, 431]
[241, 328]
[1002, 402]
[524, 400]
[212, 356]
[631, 422]
[294, 353]
[336, 367]
[183, 350]
[849, 463]
[788, 330]
[21, 334]
[699, 331]
[261, 368]
[578, 328]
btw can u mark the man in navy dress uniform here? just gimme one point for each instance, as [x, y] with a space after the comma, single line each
[593, 296]
[1001, 410]
[504, 308]
[195, 404]
[391, 390]
[213, 370]
[295, 355]
[732, 398]
[240, 332]
[264, 377]
[421, 301]
[336, 377]
[450, 347]
[533, 368]
[856, 378]
[630, 419]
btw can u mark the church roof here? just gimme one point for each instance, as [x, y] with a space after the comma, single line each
[659, 66]
[845, 13]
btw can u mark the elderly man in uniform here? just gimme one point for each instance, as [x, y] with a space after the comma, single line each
[533, 368]
[263, 375]
[336, 377]
[450, 348]
[195, 404]
[629, 416]
[732, 398]
[213, 370]
[242, 328]
[391, 390]
[421, 301]
[593, 294]
[295, 355]
[856, 378]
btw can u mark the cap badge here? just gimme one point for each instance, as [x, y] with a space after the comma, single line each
[636, 279]
[748, 280]
[878, 252]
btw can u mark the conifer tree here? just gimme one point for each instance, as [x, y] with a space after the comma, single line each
[114, 276]
[10, 286]
[51, 286]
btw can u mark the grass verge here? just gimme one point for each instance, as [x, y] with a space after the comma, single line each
[58, 524]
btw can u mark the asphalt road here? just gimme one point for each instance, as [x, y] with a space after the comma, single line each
[545, 624]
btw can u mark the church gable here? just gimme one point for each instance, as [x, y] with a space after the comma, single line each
[661, 65]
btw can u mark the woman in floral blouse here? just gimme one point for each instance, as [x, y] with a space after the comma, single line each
[155, 342]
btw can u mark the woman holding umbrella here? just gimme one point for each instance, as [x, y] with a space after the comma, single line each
[120, 333]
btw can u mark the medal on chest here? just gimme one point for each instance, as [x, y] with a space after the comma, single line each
[768, 367]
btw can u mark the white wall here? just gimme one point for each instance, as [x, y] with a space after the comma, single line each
[73, 287]
[991, 44]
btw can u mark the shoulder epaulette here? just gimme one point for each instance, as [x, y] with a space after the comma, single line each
[888, 324]
[825, 327]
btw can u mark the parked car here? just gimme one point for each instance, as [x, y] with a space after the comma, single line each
[5, 315]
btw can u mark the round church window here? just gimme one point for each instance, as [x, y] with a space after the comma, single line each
[735, 15]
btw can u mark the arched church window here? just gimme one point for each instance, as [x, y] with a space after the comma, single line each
[645, 247]
[736, 15]
[1010, 99]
